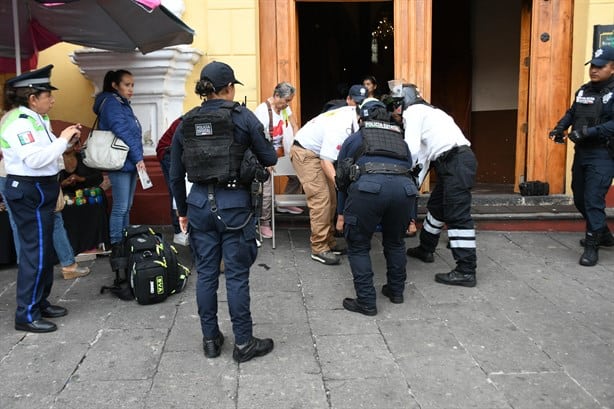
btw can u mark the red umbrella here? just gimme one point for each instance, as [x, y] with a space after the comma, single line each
[29, 26]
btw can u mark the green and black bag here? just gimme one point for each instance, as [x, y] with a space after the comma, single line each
[146, 267]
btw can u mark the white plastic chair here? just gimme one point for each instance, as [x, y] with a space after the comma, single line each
[284, 168]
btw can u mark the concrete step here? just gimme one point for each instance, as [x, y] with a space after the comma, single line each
[500, 212]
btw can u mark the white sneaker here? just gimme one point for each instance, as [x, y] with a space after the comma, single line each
[181, 238]
[289, 209]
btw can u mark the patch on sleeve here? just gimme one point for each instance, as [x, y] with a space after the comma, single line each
[25, 137]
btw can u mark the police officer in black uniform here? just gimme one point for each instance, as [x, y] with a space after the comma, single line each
[375, 187]
[209, 146]
[591, 117]
[31, 156]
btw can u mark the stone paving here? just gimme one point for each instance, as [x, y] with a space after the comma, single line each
[536, 333]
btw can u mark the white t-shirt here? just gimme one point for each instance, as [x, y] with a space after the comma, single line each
[283, 134]
[429, 132]
[325, 133]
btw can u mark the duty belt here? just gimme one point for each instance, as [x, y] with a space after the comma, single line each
[385, 168]
[450, 153]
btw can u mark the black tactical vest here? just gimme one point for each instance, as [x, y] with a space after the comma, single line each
[210, 154]
[383, 139]
[589, 107]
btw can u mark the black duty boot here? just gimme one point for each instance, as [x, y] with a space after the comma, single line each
[213, 346]
[591, 249]
[254, 348]
[605, 240]
[421, 254]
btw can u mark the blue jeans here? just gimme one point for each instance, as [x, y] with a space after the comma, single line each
[61, 244]
[123, 185]
[165, 164]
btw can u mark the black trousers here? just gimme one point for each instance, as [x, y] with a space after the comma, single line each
[450, 204]
[591, 178]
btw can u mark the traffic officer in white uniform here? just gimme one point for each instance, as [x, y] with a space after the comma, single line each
[32, 154]
[435, 140]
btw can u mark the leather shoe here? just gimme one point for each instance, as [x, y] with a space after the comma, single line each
[395, 299]
[36, 326]
[213, 347]
[456, 278]
[420, 253]
[351, 304]
[54, 311]
[254, 348]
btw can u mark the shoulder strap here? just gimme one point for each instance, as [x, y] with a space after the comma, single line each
[99, 112]
[268, 105]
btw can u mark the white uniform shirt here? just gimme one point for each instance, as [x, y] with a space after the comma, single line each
[429, 132]
[325, 133]
[28, 145]
[283, 134]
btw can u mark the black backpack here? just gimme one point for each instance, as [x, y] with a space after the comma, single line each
[146, 267]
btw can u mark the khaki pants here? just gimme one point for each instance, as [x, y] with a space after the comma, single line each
[321, 198]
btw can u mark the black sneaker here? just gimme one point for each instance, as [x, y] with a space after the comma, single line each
[395, 299]
[420, 253]
[351, 304]
[213, 347]
[254, 348]
[456, 278]
[326, 257]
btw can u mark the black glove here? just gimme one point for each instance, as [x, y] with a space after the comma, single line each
[557, 135]
[578, 134]
[415, 173]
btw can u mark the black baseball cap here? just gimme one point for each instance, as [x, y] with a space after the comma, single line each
[219, 74]
[602, 56]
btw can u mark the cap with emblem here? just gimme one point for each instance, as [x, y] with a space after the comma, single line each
[602, 56]
[38, 79]
[219, 74]
[358, 93]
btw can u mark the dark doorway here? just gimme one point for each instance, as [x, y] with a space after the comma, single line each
[475, 79]
[337, 50]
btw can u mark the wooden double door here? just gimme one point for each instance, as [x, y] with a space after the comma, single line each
[434, 45]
